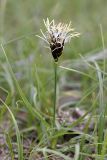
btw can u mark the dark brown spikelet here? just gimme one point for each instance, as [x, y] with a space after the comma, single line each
[56, 50]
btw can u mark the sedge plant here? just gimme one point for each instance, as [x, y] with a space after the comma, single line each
[56, 35]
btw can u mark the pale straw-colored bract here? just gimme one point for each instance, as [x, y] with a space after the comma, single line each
[58, 32]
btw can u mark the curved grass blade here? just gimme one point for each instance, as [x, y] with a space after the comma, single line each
[57, 153]
[19, 143]
[34, 113]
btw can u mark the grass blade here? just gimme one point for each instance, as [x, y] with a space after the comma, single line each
[19, 143]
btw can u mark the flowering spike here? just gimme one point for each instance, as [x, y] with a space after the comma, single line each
[57, 35]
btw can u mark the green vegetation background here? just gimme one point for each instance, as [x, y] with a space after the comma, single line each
[32, 63]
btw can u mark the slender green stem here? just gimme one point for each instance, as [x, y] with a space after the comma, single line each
[55, 92]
